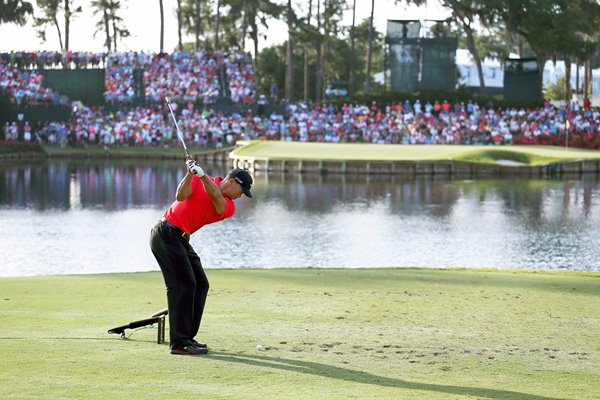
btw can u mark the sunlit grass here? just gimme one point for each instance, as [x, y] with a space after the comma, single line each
[358, 333]
[526, 155]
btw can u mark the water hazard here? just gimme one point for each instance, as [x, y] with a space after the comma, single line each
[94, 216]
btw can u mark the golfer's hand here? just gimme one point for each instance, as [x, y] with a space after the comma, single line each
[194, 168]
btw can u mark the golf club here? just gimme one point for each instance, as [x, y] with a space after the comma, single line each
[177, 127]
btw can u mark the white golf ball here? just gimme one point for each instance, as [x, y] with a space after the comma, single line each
[259, 347]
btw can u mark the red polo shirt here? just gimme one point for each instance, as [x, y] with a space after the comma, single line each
[198, 209]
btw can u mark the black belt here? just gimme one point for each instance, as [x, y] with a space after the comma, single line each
[184, 235]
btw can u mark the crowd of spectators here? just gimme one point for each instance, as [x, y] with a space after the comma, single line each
[192, 80]
[398, 123]
[181, 76]
[240, 77]
[186, 76]
[437, 123]
[53, 59]
[25, 87]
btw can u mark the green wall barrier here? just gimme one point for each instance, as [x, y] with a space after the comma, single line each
[86, 85]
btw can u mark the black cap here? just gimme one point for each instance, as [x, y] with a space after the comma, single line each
[242, 177]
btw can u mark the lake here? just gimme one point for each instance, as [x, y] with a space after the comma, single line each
[95, 216]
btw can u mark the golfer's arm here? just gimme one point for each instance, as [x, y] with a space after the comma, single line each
[215, 194]
[184, 189]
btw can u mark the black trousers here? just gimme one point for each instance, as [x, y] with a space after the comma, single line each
[187, 285]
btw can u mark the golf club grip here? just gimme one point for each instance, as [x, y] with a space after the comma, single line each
[164, 311]
[142, 322]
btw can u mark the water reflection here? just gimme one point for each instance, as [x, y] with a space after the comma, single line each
[86, 216]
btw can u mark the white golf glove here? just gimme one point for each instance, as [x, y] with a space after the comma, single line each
[194, 168]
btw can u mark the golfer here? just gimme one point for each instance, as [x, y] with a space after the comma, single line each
[200, 200]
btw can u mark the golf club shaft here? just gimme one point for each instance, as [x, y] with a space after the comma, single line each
[177, 127]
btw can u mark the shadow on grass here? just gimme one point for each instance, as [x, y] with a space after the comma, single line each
[345, 374]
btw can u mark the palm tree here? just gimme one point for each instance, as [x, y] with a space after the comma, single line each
[370, 51]
[49, 9]
[179, 23]
[103, 7]
[162, 26]
[109, 19]
[289, 76]
[318, 77]
[306, 90]
[352, 51]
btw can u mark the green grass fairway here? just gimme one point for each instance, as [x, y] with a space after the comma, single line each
[328, 334]
[526, 155]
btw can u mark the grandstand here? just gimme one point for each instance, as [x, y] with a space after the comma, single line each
[112, 99]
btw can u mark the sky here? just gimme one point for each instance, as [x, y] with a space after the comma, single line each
[142, 18]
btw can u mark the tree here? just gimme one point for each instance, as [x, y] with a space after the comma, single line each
[305, 48]
[68, 16]
[179, 26]
[553, 28]
[108, 10]
[289, 76]
[250, 15]
[196, 17]
[49, 9]
[218, 23]
[15, 11]
[50, 13]
[331, 25]
[353, 52]
[162, 26]
[465, 13]
[319, 67]
[119, 30]
[102, 7]
[368, 77]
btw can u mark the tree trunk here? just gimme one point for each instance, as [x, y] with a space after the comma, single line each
[289, 75]
[306, 83]
[114, 36]
[254, 35]
[590, 90]
[587, 74]
[352, 52]
[577, 65]
[244, 27]
[162, 26]
[179, 23]
[541, 62]
[67, 24]
[107, 29]
[197, 21]
[318, 46]
[568, 91]
[58, 30]
[218, 24]
[473, 49]
[370, 51]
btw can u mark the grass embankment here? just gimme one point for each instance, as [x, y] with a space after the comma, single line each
[20, 148]
[123, 151]
[525, 155]
[334, 334]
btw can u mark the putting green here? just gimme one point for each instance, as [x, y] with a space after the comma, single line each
[526, 155]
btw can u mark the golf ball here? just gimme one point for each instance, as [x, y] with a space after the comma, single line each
[259, 347]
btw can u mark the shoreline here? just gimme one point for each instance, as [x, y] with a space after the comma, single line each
[463, 161]
[590, 274]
